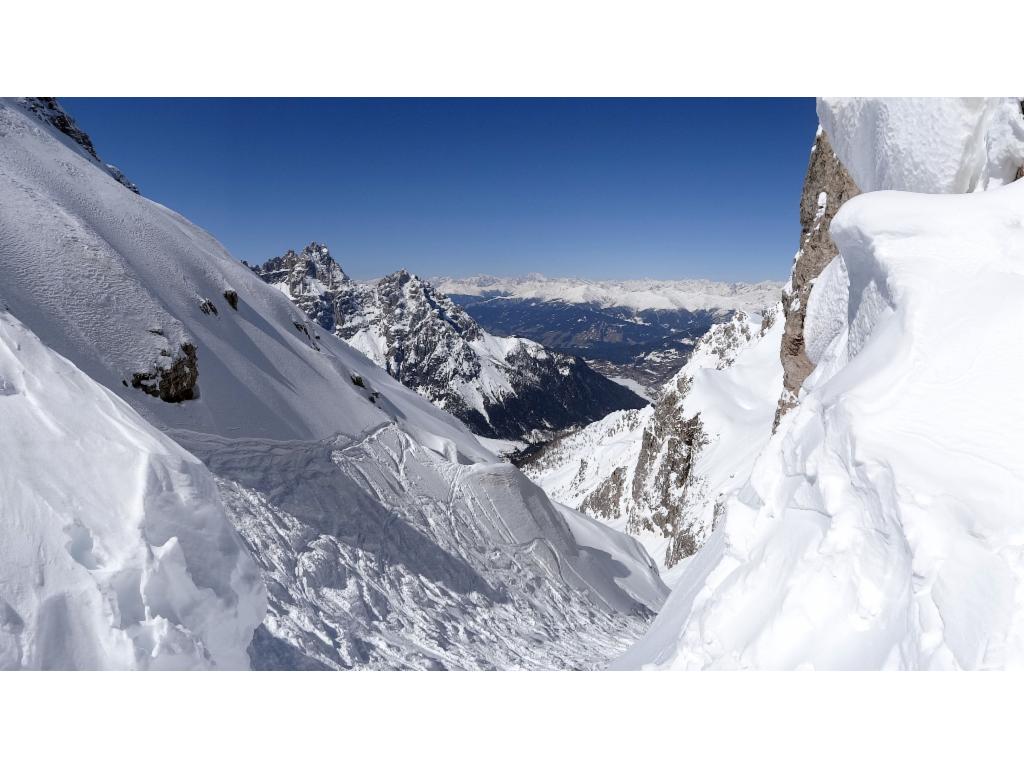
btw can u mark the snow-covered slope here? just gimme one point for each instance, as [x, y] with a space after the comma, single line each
[115, 550]
[364, 505]
[881, 527]
[634, 294]
[505, 388]
[660, 472]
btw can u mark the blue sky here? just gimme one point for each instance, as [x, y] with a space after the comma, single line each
[595, 188]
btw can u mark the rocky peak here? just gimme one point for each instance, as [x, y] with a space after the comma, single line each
[314, 262]
[422, 303]
[312, 279]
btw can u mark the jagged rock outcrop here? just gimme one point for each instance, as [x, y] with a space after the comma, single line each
[49, 110]
[664, 480]
[172, 382]
[827, 186]
[311, 278]
[507, 388]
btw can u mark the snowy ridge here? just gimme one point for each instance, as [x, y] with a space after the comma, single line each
[636, 294]
[115, 549]
[659, 472]
[880, 527]
[342, 482]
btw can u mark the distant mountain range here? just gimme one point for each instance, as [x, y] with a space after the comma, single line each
[501, 388]
[637, 332]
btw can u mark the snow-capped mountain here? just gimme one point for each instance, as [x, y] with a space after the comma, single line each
[881, 525]
[386, 535]
[661, 472]
[637, 332]
[508, 388]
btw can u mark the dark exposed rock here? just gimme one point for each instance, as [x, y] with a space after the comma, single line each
[827, 186]
[231, 297]
[208, 307]
[173, 383]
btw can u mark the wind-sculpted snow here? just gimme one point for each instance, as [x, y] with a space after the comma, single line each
[882, 526]
[380, 553]
[386, 534]
[115, 550]
[926, 145]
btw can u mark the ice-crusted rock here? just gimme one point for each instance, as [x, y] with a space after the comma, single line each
[115, 549]
[49, 111]
[500, 387]
[827, 185]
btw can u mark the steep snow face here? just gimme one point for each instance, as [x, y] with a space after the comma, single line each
[366, 507]
[500, 387]
[635, 294]
[927, 145]
[882, 527]
[661, 472]
[146, 303]
[115, 550]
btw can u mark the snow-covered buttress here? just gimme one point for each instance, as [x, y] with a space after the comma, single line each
[881, 527]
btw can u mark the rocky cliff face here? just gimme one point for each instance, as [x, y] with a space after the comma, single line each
[827, 186]
[660, 471]
[507, 388]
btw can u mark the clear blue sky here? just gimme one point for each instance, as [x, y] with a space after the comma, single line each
[597, 188]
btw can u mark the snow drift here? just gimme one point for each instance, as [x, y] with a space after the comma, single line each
[881, 527]
[115, 550]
